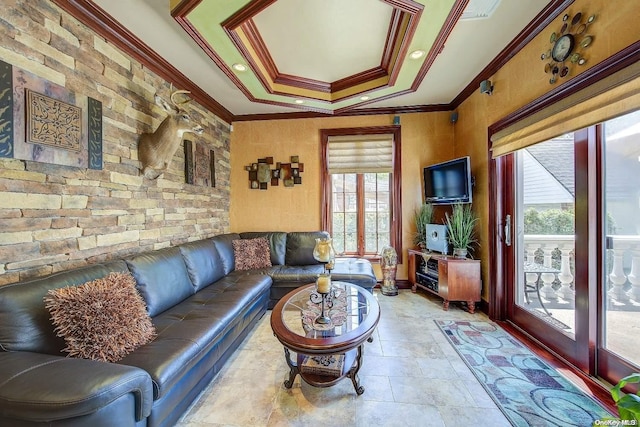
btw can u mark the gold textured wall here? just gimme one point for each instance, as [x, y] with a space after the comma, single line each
[426, 138]
[523, 80]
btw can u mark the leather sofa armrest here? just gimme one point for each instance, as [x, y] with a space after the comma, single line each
[41, 387]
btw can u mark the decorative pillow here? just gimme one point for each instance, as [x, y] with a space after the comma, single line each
[104, 319]
[251, 253]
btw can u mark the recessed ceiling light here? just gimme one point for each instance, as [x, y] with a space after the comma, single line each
[239, 67]
[416, 54]
[299, 101]
[364, 98]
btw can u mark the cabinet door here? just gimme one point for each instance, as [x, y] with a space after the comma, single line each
[443, 278]
[464, 280]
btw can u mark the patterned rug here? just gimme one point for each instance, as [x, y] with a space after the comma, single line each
[527, 390]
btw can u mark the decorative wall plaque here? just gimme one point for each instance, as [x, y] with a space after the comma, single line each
[44, 122]
[52, 122]
[6, 110]
[199, 164]
[261, 174]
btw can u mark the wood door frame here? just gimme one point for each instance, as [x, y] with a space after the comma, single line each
[609, 66]
[590, 357]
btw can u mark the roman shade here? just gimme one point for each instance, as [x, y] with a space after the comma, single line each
[606, 99]
[360, 153]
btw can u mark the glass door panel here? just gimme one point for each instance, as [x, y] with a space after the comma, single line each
[545, 226]
[621, 172]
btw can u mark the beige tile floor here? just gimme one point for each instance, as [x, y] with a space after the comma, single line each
[411, 374]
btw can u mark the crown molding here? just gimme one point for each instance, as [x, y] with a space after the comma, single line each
[102, 23]
[99, 21]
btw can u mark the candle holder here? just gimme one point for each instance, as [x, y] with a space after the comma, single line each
[324, 296]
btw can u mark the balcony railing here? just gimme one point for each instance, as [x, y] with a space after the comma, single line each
[557, 252]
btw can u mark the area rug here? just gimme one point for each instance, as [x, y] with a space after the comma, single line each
[527, 390]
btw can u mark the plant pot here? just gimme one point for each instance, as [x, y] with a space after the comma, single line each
[460, 253]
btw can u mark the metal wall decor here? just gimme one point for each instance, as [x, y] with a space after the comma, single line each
[261, 174]
[199, 164]
[44, 122]
[52, 122]
[567, 46]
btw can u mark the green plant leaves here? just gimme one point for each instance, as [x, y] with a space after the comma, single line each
[461, 226]
[628, 404]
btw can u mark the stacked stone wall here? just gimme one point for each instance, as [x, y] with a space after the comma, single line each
[55, 218]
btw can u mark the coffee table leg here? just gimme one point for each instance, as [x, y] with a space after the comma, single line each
[353, 372]
[293, 369]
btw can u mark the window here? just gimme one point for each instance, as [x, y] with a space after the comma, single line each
[361, 189]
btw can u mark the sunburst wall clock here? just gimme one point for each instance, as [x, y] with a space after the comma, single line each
[568, 46]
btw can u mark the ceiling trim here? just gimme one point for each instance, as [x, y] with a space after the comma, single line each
[245, 35]
[99, 21]
[436, 48]
[102, 23]
[537, 25]
[438, 45]
[356, 112]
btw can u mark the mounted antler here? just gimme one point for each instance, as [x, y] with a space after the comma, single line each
[156, 149]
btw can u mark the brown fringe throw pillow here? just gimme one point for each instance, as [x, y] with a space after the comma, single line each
[104, 319]
[251, 253]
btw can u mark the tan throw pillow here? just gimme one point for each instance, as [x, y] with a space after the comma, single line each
[104, 319]
[251, 253]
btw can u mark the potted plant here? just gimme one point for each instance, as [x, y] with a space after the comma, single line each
[628, 404]
[461, 229]
[421, 217]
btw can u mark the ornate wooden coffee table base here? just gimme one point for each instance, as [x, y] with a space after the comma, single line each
[345, 337]
[353, 362]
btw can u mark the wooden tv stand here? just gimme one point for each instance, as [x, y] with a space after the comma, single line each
[453, 279]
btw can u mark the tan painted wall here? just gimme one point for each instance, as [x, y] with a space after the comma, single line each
[523, 80]
[426, 138]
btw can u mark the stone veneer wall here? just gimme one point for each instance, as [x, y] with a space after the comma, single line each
[55, 218]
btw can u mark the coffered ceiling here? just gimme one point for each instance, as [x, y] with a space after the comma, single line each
[260, 58]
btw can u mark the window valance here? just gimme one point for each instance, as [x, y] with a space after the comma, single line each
[360, 153]
[610, 97]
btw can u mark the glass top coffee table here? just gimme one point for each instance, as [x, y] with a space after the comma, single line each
[330, 351]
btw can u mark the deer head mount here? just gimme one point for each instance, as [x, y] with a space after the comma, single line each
[155, 150]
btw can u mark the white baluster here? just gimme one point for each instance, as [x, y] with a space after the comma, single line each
[617, 277]
[531, 249]
[565, 276]
[547, 290]
[634, 276]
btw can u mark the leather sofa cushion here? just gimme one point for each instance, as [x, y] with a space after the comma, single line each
[301, 274]
[203, 261]
[190, 330]
[277, 243]
[162, 278]
[357, 271]
[300, 246]
[225, 250]
[46, 389]
[23, 316]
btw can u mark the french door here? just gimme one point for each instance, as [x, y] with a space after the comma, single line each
[569, 257]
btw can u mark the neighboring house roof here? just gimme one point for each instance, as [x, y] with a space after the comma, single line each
[557, 157]
[540, 186]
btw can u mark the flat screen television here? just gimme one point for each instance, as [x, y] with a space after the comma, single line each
[448, 182]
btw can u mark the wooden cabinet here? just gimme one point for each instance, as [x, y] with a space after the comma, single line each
[452, 279]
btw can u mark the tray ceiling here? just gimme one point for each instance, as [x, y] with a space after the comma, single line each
[326, 56]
